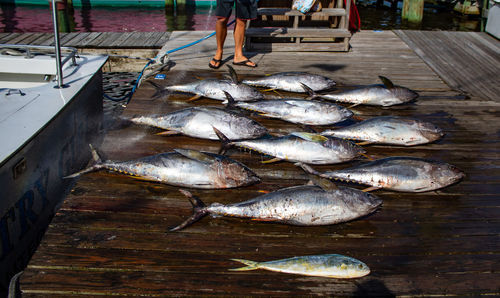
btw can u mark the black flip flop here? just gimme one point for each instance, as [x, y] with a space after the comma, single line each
[216, 61]
[245, 63]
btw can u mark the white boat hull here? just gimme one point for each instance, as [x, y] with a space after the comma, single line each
[31, 175]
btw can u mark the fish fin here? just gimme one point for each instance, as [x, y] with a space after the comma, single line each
[95, 165]
[391, 127]
[272, 160]
[270, 89]
[196, 155]
[168, 133]
[225, 142]
[387, 83]
[357, 118]
[309, 91]
[251, 265]
[308, 128]
[307, 168]
[364, 143]
[313, 137]
[199, 211]
[367, 156]
[276, 91]
[231, 103]
[371, 188]
[233, 75]
[268, 219]
[322, 182]
[199, 78]
[354, 105]
[196, 97]
[318, 178]
[159, 90]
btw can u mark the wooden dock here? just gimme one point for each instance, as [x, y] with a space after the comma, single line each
[109, 237]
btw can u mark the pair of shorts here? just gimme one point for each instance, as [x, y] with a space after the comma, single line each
[245, 9]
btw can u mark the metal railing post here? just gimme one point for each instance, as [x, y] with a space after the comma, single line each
[57, 46]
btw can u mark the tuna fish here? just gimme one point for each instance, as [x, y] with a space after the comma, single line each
[198, 122]
[389, 130]
[405, 174]
[292, 81]
[300, 147]
[330, 265]
[185, 168]
[214, 89]
[306, 205]
[300, 111]
[385, 95]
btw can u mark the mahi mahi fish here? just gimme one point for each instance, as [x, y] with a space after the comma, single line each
[214, 89]
[405, 174]
[185, 168]
[299, 111]
[292, 81]
[389, 130]
[385, 95]
[328, 265]
[305, 205]
[198, 122]
[300, 147]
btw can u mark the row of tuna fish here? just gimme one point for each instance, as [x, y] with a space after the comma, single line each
[386, 94]
[323, 202]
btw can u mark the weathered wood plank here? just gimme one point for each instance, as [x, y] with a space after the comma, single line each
[460, 61]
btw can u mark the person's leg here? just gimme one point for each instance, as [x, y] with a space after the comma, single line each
[220, 35]
[239, 37]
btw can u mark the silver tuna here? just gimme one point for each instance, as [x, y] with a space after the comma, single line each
[306, 205]
[329, 265]
[198, 122]
[406, 174]
[300, 147]
[214, 89]
[186, 168]
[292, 81]
[389, 130]
[385, 95]
[299, 111]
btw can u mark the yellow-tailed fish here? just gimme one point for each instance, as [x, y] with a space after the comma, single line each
[306, 205]
[300, 147]
[406, 174]
[385, 95]
[292, 81]
[390, 130]
[328, 265]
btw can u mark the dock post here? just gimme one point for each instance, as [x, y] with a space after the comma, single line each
[413, 10]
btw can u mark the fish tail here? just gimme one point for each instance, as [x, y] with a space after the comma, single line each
[159, 90]
[94, 166]
[199, 211]
[251, 265]
[225, 142]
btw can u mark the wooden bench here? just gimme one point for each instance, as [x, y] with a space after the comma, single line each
[296, 36]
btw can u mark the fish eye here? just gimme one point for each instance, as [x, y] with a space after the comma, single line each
[360, 266]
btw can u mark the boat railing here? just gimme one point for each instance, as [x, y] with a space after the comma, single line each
[28, 51]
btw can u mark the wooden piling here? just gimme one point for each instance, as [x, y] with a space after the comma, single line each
[413, 10]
